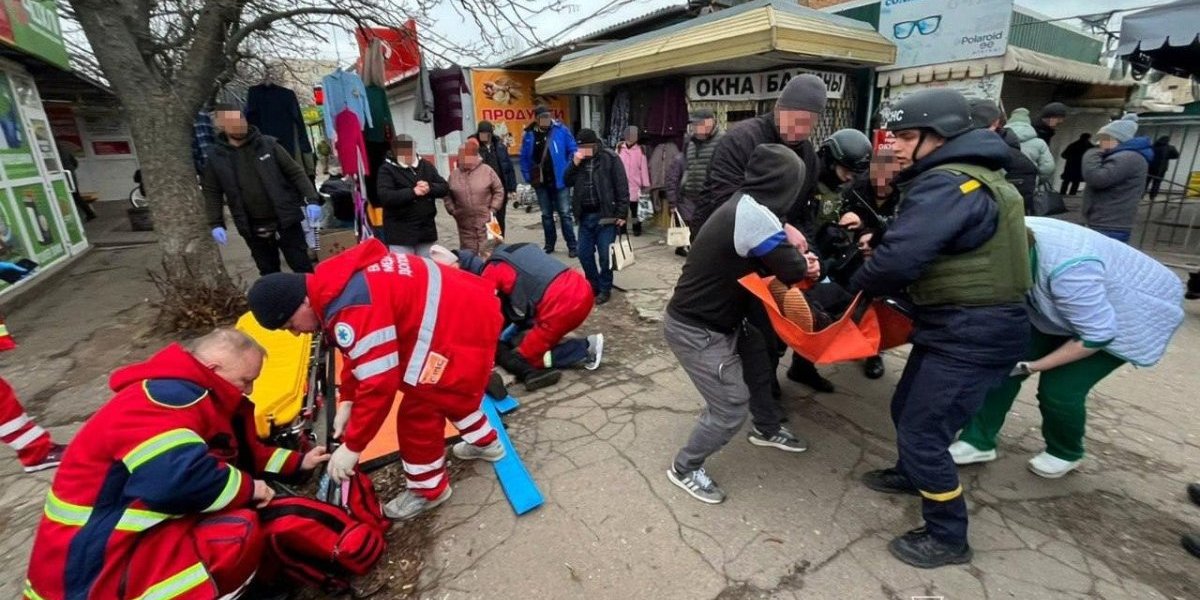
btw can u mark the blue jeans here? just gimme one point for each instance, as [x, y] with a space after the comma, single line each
[552, 200]
[1121, 235]
[595, 239]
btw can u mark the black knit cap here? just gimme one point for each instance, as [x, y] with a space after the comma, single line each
[587, 136]
[541, 110]
[1054, 109]
[486, 127]
[274, 298]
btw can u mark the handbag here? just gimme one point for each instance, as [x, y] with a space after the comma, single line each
[679, 235]
[645, 208]
[1047, 202]
[620, 253]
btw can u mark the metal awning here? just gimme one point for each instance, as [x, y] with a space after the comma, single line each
[747, 38]
[1016, 60]
[1166, 38]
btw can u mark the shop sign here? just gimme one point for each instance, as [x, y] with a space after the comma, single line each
[38, 216]
[507, 100]
[16, 155]
[757, 86]
[32, 26]
[930, 32]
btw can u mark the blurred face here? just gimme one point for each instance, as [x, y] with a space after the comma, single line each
[239, 369]
[404, 152]
[1106, 143]
[703, 129]
[304, 320]
[233, 124]
[910, 148]
[1054, 121]
[794, 125]
[884, 168]
[544, 121]
[587, 150]
[468, 159]
[631, 138]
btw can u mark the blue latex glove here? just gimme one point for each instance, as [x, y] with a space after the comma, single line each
[7, 268]
[219, 235]
[313, 211]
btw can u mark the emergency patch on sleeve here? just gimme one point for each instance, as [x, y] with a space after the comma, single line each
[343, 333]
[173, 393]
[969, 186]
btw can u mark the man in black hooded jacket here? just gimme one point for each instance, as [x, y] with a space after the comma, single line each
[1020, 171]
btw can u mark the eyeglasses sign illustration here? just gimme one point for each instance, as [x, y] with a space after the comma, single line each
[929, 32]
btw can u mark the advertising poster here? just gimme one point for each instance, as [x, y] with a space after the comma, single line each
[38, 216]
[16, 155]
[12, 246]
[928, 32]
[65, 129]
[507, 100]
[66, 208]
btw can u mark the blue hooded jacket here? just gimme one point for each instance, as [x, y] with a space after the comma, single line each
[1141, 145]
[562, 150]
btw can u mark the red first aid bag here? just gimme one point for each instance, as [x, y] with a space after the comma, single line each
[317, 544]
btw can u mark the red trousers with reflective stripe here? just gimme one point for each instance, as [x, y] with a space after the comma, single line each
[31, 442]
[420, 431]
[230, 545]
[564, 307]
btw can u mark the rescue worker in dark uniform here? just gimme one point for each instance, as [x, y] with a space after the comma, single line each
[844, 155]
[959, 247]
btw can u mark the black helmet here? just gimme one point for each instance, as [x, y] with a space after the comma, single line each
[850, 148]
[942, 111]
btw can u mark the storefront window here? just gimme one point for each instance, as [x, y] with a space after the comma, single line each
[16, 156]
[12, 246]
[38, 217]
[62, 196]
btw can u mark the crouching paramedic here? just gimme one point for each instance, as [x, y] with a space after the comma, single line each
[958, 246]
[403, 324]
[544, 297]
[140, 506]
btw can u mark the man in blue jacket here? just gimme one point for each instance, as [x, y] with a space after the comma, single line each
[958, 247]
[546, 150]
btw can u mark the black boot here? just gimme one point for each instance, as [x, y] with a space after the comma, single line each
[681, 251]
[1194, 492]
[873, 367]
[540, 378]
[1191, 543]
[805, 372]
[534, 379]
[920, 549]
[637, 228]
[1193, 287]
[889, 481]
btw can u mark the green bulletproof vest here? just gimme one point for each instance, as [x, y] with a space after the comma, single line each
[996, 272]
[829, 205]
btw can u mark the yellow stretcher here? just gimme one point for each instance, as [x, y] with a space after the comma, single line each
[280, 390]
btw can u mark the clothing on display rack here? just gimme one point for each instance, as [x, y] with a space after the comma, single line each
[661, 158]
[447, 85]
[204, 135]
[275, 111]
[667, 111]
[351, 148]
[423, 107]
[344, 90]
[619, 118]
[380, 128]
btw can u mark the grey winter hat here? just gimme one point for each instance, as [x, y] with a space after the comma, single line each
[274, 298]
[701, 114]
[803, 92]
[1054, 109]
[1121, 130]
[774, 177]
[984, 112]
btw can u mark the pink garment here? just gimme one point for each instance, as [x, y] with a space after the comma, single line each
[637, 169]
[351, 148]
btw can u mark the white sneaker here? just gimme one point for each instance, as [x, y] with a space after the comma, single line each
[1051, 467]
[492, 452]
[409, 504]
[966, 454]
[595, 351]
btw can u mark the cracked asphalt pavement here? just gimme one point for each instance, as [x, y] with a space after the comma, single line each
[794, 526]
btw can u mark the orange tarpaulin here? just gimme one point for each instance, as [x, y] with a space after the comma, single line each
[880, 328]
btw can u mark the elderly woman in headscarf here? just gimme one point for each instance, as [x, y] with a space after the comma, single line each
[476, 192]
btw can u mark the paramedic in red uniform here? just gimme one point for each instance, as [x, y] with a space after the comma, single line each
[34, 448]
[403, 324]
[141, 507]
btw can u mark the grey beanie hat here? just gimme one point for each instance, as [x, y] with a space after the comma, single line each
[803, 92]
[1121, 130]
[984, 112]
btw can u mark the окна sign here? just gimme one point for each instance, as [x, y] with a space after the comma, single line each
[757, 86]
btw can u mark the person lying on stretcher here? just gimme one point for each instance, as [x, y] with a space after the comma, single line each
[812, 304]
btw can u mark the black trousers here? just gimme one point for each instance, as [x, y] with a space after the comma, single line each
[290, 242]
[758, 371]
[1069, 188]
[1153, 184]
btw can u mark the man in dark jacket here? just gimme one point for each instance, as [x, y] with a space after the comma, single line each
[1049, 119]
[546, 152]
[1072, 174]
[796, 113]
[1020, 171]
[495, 155]
[1115, 174]
[601, 203]
[697, 156]
[408, 187]
[268, 194]
[958, 247]
[1164, 153]
[705, 316]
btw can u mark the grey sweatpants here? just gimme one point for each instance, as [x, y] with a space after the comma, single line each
[419, 249]
[711, 360]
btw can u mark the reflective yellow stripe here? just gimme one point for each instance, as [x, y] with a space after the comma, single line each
[278, 458]
[159, 444]
[30, 593]
[944, 496]
[969, 186]
[3, 330]
[136, 520]
[178, 584]
[232, 485]
[66, 513]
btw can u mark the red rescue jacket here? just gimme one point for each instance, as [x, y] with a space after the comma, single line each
[132, 484]
[403, 323]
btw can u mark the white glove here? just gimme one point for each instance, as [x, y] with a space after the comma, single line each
[341, 418]
[342, 464]
[1022, 369]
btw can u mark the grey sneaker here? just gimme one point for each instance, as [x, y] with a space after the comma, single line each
[408, 505]
[782, 440]
[698, 484]
[595, 351]
[492, 453]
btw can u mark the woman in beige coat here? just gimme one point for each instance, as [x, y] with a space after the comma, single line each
[475, 193]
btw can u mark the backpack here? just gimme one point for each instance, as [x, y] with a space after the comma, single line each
[323, 545]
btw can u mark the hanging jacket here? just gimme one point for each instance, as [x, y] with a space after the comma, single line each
[275, 111]
[661, 159]
[403, 323]
[637, 169]
[1106, 293]
[409, 219]
[561, 150]
[283, 180]
[135, 479]
[1115, 182]
[1033, 146]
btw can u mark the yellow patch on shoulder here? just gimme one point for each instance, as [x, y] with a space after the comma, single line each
[969, 186]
